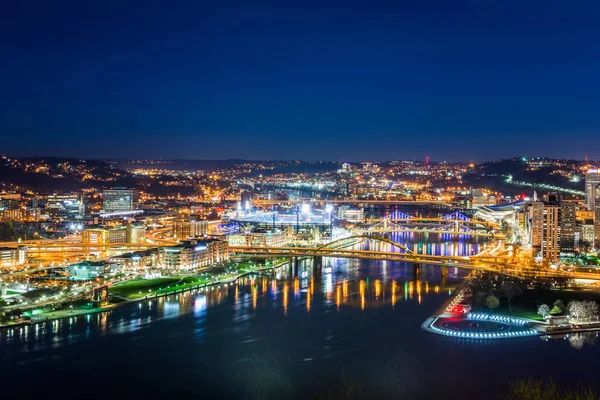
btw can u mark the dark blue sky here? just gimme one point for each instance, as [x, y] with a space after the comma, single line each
[472, 80]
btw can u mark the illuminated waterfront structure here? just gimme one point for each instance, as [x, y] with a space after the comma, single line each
[141, 259]
[192, 254]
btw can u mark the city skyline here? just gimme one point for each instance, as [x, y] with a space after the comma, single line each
[460, 81]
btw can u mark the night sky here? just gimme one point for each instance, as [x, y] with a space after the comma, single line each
[471, 80]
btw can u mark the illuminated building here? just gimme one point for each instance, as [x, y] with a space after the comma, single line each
[192, 254]
[65, 206]
[267, 238]
[132, 233]
[587, 233]
[13, 256]
[592, 181]
[183, 229]
[552, 228]
[12, 214]
[91, 269]
[567, 227]
[349, 214]
[136, 233]
[141, 259]
[597, 223]
[120, 200]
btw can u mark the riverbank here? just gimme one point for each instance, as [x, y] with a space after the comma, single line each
[161, 292]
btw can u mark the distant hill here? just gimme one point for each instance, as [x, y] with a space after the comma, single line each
[267, 167]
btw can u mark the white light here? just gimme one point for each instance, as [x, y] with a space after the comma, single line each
[305, 209]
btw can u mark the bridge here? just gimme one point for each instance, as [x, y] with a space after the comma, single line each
[257, 202]
[485, 261]
[455, 224]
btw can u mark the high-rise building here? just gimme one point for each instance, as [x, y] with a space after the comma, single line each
[597, 224]
[567, 227]
[592, 181]
[545, 230]
[120, 200]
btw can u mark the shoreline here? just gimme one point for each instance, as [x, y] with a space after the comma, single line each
[109, 307]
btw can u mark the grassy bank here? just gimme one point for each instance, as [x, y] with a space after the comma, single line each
[527, 305]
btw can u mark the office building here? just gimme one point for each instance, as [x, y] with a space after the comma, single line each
[567, 227]
[151, 258]
[120, 200]
[597, 224]
[191, 254]
[552, 228]
[266, 238]
[13, 256]
[65, 206]
[592, 181]
[183, 228]
[136, 233]
[12, 214]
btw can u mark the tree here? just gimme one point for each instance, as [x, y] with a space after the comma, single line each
[510, 290]
[584, 246]
[480, 297]
[543, 310]
[578, 310]
[492, 302]
[591, 309]
[560, 304]
[555, 311]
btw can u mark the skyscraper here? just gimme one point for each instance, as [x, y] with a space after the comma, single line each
[552, 229]
[592, 181]
[567, 227]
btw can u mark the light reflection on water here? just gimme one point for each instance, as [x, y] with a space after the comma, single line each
[283, 335]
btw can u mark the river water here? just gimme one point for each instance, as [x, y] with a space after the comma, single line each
[298, 333]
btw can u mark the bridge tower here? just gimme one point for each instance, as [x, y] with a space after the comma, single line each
[318, 267]
[416, 271]
[318, 262]
[444, 280]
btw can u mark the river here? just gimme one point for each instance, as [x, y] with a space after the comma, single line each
[356, 324]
